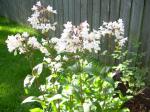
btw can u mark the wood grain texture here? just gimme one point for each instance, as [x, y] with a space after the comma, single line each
[114, 10]
[145, 34]
[96, 14]
[66, 10]
[77, 12]
[71, 11]
[125, 12]
[135, 24]
[83, 10]
[90, 12]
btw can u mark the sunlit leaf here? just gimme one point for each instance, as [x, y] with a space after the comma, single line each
[37, 70]
[31, 99]
[28, 81]
[36, 110]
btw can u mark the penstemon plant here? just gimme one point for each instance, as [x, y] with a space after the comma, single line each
[74, 82]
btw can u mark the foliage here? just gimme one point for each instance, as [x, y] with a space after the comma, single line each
[74, 82]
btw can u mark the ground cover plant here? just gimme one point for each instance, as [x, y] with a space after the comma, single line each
[73, 81]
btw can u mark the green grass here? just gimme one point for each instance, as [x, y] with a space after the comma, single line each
[13, 70]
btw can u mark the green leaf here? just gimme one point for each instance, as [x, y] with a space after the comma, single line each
[55, 97]
[37, 70]
[36, 110]
[31, 99]
[28, 81]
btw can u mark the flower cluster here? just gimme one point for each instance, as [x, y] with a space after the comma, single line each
[77, 38]
[40, 19]
[116, 29]
[71, 72]
[55, 64]
[22, 43]
[17, 43]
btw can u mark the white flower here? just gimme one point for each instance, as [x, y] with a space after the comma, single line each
[87, 106]
[33, 42]
[15, 43]
[41, 13]
[58, 58]
[77, 38]
[50, 9]
[34, 8]
[58, 67]
[65, 58]
[42, 88]
[25, 34]
[38, 3]
[122, 41]
[48, 60]
[44, 50]
[54, 40]
[116, 29]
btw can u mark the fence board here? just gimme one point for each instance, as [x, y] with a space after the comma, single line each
[125, 12]
[105, 13]
[89, 12]
[96, 14]
[66, 10]
[77, 12]
[83, 10]
[71, 10]
[105, 10]
[135, 26]
[114, 10]
[146, 34]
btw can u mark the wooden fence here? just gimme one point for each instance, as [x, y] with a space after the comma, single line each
[135, 14]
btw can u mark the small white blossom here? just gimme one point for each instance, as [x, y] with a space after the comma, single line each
[44, 50]
[77, 38]
[116, 29]
[42, 88]
[15, 43]
[39, 21]
[58, 58]
[65, 58]
[50, 9]
[38, 3]
[25, 34]
[48, 60]
[34, 43]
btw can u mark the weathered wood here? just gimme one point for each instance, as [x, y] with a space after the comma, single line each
[66, 10]
[96, 14]
[114, 10]
[71, 11]
[57, 17]
[61, 14]
[135, 24]
[83, 10]
[114, 15]
[125, 12]
[89, 12]
[77, 12]
[146, 34]
[105, 8]
[105, 13]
